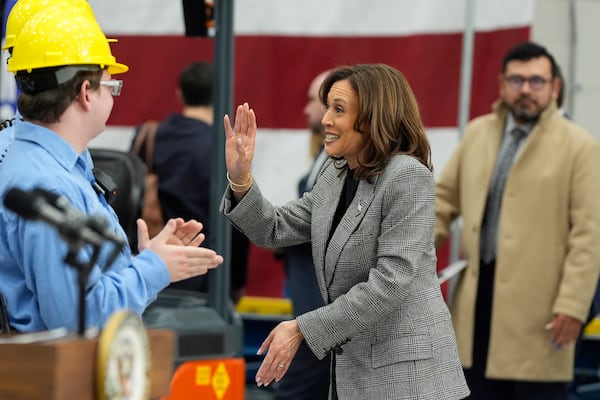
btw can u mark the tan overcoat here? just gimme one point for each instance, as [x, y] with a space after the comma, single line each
[548, 257]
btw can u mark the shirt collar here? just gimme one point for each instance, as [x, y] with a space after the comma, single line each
[512, 124]
[57, 147]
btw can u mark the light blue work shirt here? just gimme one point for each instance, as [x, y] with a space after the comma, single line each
[7, 136]
[40, 288]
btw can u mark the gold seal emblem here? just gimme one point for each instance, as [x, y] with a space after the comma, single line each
[123, 361]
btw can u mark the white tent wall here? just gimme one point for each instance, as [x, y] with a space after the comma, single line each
[570, 29]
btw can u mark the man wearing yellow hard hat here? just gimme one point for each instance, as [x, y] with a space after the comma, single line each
[20, 12]
[63, 66]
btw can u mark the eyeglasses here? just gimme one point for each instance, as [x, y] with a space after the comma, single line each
[114, 85]
[535, 82]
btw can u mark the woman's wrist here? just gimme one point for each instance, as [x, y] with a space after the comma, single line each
[240, 187]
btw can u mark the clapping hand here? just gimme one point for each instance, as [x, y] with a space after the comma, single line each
[187, 233]
[177, 245]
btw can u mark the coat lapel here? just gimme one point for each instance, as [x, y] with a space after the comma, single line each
[489, 153]
[348, 224]
[492, 148]
[544, 124]
[322, 220]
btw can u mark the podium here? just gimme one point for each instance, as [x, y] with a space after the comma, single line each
[65, 369]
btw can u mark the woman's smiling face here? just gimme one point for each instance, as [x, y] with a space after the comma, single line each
[341, 139]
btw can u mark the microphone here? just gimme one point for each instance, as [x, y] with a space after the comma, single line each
[72, 224]
[94, 222]
[75, 227]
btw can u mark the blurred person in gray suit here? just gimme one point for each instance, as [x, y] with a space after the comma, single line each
[370, 221]
[307, 378]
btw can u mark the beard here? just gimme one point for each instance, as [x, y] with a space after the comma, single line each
[524, 116]
[523, 113]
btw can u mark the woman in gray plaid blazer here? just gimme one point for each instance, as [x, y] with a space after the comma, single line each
[370, 220]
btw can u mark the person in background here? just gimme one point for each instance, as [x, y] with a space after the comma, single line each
[65, 102]
[580, 345]
[595, 307]
[370, 220]
[307, 377]
[526, 182]
[182, 161]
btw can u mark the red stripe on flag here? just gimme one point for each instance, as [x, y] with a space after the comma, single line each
[154, 65]
[272, 72]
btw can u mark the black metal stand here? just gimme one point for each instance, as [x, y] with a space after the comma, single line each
[76, 240]
[83, 272]
[95, 236]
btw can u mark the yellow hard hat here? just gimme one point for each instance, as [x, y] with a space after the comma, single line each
[24, 9]
[59, 36]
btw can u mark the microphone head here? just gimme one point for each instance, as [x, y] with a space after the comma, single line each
[50, 197]
[22, 203]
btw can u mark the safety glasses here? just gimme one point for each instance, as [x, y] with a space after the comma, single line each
[114, 85]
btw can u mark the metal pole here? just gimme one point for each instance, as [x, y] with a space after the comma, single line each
[574, 86]
[464, 105]
[219, 227]
[466, 68]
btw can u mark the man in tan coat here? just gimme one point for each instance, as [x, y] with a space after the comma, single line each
[526, 182]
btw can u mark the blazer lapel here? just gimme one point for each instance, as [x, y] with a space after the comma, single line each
[348, 224]
[322, 220]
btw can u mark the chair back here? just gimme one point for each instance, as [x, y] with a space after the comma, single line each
[128, 172]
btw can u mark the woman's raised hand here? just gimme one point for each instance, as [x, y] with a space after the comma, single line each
[239, 147]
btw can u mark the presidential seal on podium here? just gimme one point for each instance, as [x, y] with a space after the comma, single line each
[123, 359]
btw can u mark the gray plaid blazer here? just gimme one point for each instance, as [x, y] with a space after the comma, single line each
[385, 318]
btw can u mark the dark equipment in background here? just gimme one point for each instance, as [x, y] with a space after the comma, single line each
[198, 16]
[201, 331]
[127, 172]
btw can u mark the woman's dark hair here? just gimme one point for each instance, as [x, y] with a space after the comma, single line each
[387, 113]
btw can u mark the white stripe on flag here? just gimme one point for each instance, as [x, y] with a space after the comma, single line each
[374, 18]
[282, 155]
[318, 17]
[139, 17]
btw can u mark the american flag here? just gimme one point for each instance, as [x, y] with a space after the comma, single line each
[280, 45]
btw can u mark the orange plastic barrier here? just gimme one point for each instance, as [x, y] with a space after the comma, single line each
[219, 379]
